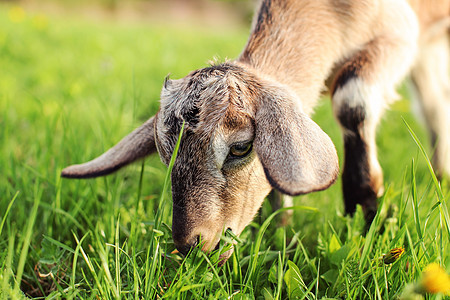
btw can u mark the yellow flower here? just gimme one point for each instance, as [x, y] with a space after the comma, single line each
[435, 280]
[16, 14]
[393, 255]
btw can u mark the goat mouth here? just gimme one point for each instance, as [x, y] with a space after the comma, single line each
[228, 233]
[197, 245]
[227, 254]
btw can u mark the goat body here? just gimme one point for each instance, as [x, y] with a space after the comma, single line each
[247, 124]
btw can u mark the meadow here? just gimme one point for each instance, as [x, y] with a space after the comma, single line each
[71, 87]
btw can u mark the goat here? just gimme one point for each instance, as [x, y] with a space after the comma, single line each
[247, 124]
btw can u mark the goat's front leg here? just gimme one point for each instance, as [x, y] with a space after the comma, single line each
[279, 200]
[362, 89]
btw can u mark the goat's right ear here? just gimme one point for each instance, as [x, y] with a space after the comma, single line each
[136, 145]
[297, 156]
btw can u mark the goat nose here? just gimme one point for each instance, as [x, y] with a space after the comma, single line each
[188, 245]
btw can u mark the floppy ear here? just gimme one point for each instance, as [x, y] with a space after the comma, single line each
[136, 145]
[297, 156]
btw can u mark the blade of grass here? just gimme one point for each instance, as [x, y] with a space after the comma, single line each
[92, 269]
[257, 245]
[7, 270]
[117, 254]
[61, 212]
[440, 194]
[412, 248]
[403, 204]
[369, 241]
[214, 270]
[281, 262]
[103, 254]
[236, 266]
[317, 278]
[167, 178]
[74, 264]
[139, 191]
[150, 269]
[415, 204]
[308, 260]
[134, 232]
[28, 232]
[59, 244]
[7, 211]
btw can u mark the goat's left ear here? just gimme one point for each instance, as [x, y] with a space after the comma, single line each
[297, 156]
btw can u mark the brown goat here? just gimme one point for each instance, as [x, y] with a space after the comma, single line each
[248, 129]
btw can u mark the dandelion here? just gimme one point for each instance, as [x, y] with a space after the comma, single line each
[435, 280]
[16, 14]
[393, 255]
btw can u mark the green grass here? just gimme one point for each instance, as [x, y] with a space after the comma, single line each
[71, 88]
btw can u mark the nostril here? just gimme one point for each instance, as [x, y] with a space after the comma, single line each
[217, 246]
[196, 242]
[184, 249]
[192, 243]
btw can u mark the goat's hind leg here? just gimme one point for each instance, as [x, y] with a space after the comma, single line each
[362, 89]
[431, 76]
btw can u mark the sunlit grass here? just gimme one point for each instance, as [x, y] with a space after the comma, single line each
[70, 89]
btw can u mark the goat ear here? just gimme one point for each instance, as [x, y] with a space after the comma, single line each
[297, 156]
[136, 145]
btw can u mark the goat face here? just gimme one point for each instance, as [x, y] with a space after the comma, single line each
[243, 136]
[232, 121]
[218, 182]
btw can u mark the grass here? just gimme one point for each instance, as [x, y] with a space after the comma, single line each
[70, 88]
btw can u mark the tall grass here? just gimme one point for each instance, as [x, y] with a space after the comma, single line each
[71, 88]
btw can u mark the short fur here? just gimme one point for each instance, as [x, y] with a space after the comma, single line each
[359, 49]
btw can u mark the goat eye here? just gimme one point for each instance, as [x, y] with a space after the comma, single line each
[240, 150]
